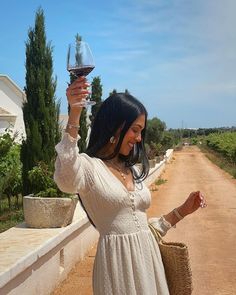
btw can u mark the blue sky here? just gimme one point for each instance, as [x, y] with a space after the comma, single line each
[178, 57]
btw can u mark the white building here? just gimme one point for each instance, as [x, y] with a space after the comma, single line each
[11, 102]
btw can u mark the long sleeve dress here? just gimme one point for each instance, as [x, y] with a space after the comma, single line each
[128, 260]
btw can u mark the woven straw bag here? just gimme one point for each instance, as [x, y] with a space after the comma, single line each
[176, 262]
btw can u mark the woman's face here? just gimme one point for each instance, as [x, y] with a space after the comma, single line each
[133, 135]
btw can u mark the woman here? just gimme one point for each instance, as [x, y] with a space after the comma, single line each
[114, 195]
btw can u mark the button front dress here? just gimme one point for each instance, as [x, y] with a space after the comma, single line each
[128, 260]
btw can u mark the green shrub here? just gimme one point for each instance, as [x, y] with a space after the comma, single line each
[41, 180]
[10, 168]
[160, 181]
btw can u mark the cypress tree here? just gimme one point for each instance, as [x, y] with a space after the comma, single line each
[83, 131]
[41, 112]
[96, 96]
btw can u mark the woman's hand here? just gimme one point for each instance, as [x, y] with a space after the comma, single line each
[194, 201]
[77, 91]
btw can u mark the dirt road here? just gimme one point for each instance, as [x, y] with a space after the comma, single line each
[210, 233]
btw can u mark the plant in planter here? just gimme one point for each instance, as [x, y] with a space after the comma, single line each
[42, 183]
[47, 206]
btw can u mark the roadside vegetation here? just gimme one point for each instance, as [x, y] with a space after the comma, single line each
[9, 217]
[10, 182]
[218, 144]
[220, 148]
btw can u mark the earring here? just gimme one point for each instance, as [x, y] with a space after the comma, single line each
[112, 140]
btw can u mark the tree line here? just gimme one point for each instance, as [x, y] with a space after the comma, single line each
[191, 133]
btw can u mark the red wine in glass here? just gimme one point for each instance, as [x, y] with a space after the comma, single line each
[80, 63]
[81, 71]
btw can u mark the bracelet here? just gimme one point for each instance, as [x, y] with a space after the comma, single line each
[176, 212]
[70, 126]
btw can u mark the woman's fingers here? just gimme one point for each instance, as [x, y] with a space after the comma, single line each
[203, 203]
[79, 84]
[200, 199]
[81, 79]
[77, 91]
[197, 199]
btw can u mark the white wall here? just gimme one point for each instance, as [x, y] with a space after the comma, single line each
[44, 266]
[11, 101]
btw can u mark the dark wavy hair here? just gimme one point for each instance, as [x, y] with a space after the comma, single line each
[119, 110]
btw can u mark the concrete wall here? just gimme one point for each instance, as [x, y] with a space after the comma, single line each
[44, 266]
[35, 261]
[156, 171]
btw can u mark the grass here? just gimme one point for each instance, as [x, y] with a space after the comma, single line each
[155, 184]
[160, 181]
[10, 217]
[219, 160]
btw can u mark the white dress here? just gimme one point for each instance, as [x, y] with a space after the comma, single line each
[128, 261]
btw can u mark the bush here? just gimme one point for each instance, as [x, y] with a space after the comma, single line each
[41, 180]
[6, 142]
[154, 150]
[194, 141]
[10, 168]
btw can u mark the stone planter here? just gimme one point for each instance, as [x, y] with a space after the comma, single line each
[48, 212]
[158, 159]
[152, 163]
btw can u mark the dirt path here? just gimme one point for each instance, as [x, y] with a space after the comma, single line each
[210, 233]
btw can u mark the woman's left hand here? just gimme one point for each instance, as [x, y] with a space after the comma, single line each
[194, 201]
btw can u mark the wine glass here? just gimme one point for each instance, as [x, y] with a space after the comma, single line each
[80, 63]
